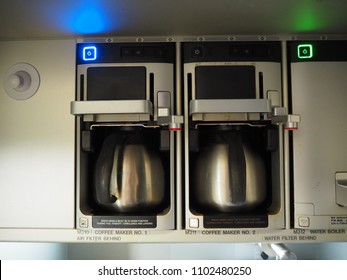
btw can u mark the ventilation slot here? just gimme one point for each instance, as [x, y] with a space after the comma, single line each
[261, 85]
[82, 97]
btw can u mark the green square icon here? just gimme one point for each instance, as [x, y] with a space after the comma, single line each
[305, 51]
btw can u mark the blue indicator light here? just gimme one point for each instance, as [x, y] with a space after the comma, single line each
[89, 53]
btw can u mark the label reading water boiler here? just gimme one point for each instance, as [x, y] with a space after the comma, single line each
[125, 222]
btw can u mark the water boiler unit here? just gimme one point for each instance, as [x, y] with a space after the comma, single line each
[318, 70]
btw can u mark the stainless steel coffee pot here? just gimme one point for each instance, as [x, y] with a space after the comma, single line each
[129, 175]
[229, 174]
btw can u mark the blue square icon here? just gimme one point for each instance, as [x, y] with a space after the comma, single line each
[89, 53]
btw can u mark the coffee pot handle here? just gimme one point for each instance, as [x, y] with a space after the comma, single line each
[114, 190]
[237, 168]
[103, 169]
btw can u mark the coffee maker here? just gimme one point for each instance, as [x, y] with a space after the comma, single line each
[124, 112]
[234, 121]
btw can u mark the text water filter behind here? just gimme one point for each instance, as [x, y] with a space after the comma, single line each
[124, 167]
[318, 71]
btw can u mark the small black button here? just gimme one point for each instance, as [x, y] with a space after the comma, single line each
[235, 51]
[127, 52]
[247, 52]
[197, 52]
[159, 52]
[138, 52]
[263, 51]
[149, 52]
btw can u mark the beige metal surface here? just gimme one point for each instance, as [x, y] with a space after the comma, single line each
[37, 139]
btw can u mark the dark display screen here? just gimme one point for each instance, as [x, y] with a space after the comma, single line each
[225, 82]
[116, 83]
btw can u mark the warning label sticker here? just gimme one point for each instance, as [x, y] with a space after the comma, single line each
[124, 222]
[338, 220]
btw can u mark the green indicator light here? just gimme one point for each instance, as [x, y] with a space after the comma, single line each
[305, 51]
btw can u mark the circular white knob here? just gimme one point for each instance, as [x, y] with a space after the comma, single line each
[21, 81]
[15, 81]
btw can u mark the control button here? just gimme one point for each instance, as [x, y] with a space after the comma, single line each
[83, 222]
[247, 52]
[138, 52]
[305, 51]
[242, 51]
[262, 51]
[235, 51]
[153, 52]
[89, 53]
[304, 221]
[149, 52]
[193, 223]
[196, 52]
[127, 52]
[159, 52]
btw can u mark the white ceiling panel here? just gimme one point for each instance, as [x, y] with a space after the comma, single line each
[20, 19]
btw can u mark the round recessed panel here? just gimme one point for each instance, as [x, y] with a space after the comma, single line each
[21, 81]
